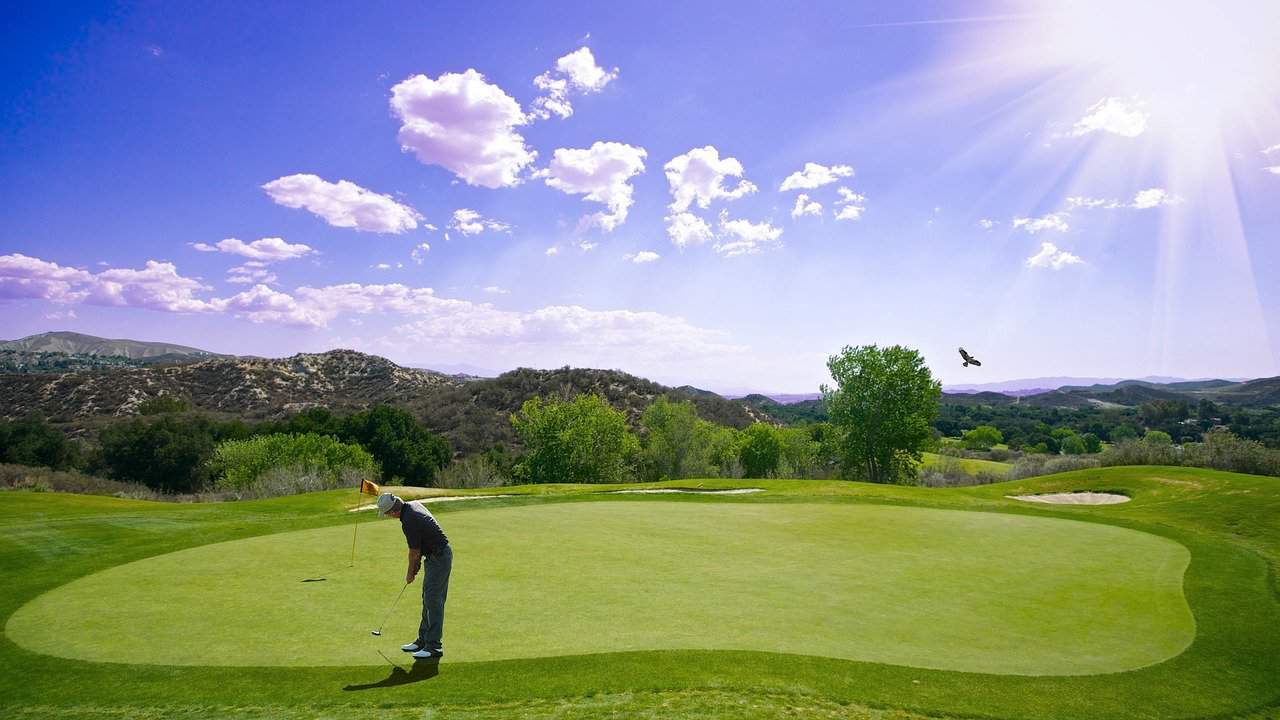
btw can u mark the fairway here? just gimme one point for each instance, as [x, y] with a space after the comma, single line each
[940, 589]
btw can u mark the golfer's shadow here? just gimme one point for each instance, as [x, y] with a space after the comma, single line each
[421, 670]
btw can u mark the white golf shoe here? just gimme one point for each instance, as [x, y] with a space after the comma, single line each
[411, 647]
[425, 653]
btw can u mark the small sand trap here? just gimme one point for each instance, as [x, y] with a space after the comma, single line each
[443, 498]
[667, 491]
[1074, 498]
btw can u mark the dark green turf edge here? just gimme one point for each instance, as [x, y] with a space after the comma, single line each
[1230, 668]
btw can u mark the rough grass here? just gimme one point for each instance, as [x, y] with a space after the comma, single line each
[1230, 523]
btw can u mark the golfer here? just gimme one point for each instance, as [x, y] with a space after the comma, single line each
[426, 541]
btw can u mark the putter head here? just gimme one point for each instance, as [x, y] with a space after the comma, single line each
[376, 633]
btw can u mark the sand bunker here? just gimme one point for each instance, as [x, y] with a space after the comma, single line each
[664, 491]
[1074, 498]
[443, 498]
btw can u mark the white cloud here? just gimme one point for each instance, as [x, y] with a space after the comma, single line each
[1120, 116]
[587, 245]
[686, 229]
[61, 315]
[743, 237]
[495, 290]
[381, 266]
[851, 205]
[1274, 169]
[699, 175]
[1052, 221]
[1050, 256]
[805, 207]
[552, 251]
[600, 173]
[419, 253]
[465, 124]
[157, 286]
[246, 274]
[1080, 201]
[987, 223]
[815, 176]
[264, 250]
[1273, 148]
[343, 204]
[23, 277]
[470, 222]
[644, 256]
[576, 71]
[1152, 197]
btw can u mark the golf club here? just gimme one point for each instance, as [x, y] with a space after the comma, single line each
[378, 632]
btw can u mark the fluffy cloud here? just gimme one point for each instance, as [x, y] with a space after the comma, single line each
[23, 277]
[264, 250]
[805, 207]
[699, 175]
[743, 237]
[576, 71]
[599, 173]
[1074, 203]
[495, 290]
[1120, 116]
[851, 205]
[157, 286]
[465, 124]
[815, 176]
[987, 223]
[1051, 257]
[1053, 221]
[686, 229]
[343, 204]
[1273, 148]
[470, 222]
[1274, 169]
[644, 256]
[552, 251]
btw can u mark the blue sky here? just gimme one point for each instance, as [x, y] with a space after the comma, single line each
[1081, 191]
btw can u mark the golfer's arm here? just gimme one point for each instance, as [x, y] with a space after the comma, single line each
[415, 559]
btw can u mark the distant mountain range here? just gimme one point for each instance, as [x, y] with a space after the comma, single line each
[472, 412]
[71, 343]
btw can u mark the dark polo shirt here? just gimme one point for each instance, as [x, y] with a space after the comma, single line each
[421, 529]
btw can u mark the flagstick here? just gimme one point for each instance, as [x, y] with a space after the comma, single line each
[355, 528]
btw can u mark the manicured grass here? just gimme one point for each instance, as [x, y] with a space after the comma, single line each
[1229, 523]
[1037, 596]
[970, 465]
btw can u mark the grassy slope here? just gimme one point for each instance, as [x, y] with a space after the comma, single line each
[972, 466]
[1231, 524]
[578, 578]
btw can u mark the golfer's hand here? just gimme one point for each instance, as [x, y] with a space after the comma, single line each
[408, 577]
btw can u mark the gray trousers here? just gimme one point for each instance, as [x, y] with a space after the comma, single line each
[435, 588]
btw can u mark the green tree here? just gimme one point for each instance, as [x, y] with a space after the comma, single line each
[577, 441]
[722, 450]
[1092, 443]
[883, 403]
[676, 440]
[760, 451]
[168, 453]
[33, 441]
[983, 437]
[403, 447]
[1123, 432]
[1157, 438]
[1073, 445]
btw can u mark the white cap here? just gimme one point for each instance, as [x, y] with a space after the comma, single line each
[387, 503]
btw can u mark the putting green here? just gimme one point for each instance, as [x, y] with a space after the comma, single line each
[942, 589]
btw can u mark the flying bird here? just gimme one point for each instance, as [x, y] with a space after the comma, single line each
[968, 359]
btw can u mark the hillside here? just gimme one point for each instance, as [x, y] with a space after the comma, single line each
[248, 387]
[71, 343]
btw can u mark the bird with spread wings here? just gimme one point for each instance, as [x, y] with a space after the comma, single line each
[969, 359]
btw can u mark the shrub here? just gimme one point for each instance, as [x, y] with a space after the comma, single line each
[163, 404]
[983, 437]
[168, 453]
[1157, 438]
[477, 471]
[287, 463]
[1040, 464]
[22, 477]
